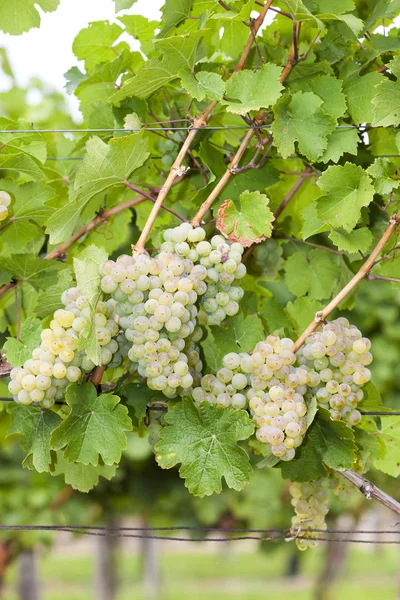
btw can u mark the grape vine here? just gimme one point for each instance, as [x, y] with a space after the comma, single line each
[108, 307]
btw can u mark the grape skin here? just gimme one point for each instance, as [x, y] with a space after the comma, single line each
[310, 502]
[5, 201]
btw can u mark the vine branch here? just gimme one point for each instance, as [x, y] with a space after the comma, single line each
[177, 170]
[361, 274]
[302, 178]
[371, 491]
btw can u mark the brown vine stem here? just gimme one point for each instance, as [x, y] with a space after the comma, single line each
[233, 165]
[303, 176]
[371, 491]
[361, 274]
[177, 170]
[96, 375]
[381, 278]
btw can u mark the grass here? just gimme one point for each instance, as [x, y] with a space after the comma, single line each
[239, 576]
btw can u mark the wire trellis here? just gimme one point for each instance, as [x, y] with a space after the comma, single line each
[288, 534]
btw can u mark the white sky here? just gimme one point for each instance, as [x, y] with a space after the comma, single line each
[46, 52]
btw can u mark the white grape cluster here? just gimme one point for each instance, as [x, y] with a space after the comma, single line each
[5, 201]
[154, 301]
[271, 386]
[57, 362]
[222, 261]
[338, 355]
[310, 501]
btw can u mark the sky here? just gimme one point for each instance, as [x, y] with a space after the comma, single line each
[46, 52]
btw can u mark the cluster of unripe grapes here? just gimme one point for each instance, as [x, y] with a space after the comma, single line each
[5, 201]
[267, 382]
[223, 267]
[339, 355]
[58, 362]
[310, 502]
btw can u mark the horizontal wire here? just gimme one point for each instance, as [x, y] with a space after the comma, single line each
[142, 533]
[164, 129]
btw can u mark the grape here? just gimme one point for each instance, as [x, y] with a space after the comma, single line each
[5, 201]
[335, 357]
[57, 363]
[310, 502]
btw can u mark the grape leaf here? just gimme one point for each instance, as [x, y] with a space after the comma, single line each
[301, 312]
[82, 477]
[360, 91]
[370, 445]
[340, 142]
[177, 53]
[35, 426]
[86, 267]
[385, 175]
[18, 351]
[273, 315]
[104, 166]
[50, 300]
[328, 88]
[372, 401]
[203, 85]
[240, 335]
[211, 352]
[312, 224]
[173, 13]
[18, 16]
[94, 44]
[95, 427]
[327, 441]
[390, 434]
[313, 272]
[39, 273]
[28, 210]
[386, 103]
[251, 223]
[204, 440]
[300, 118]
[123, 4]
[358, 240]
[248, 91]
[346, 190]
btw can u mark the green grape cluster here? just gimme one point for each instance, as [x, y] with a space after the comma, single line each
[338, 355]
[57, 362]
[310, 502]
[222, 262]
[154, 301]
[271, 386]
[267, 260]
[5, 201]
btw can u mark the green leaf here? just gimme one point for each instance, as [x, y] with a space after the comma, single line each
[82, 477]
[384, 172]
[177, 53]
[360, 91]
[248, 91]
[313, 272]
[28, 211]
[138, 397]
[18, 16]
[240, 335]
[390, 434]
[372, 401]
[203, 85]
[327, 442]
[251, 223]
[94, 44]
[370, 445]
[358, 240]
[123, 4]
[173, 13]
[300, 118]
[340, 142]
[95, 427]
[301, 312]
[273, 315]
[18, 351]
[35, 426]
[386, 103]
[73, 77]
[204, 441]
[104, 166]
[211, 352]
[50, 300]
[346, 190]
[329, 89]
[312, 224]
[38, 272]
